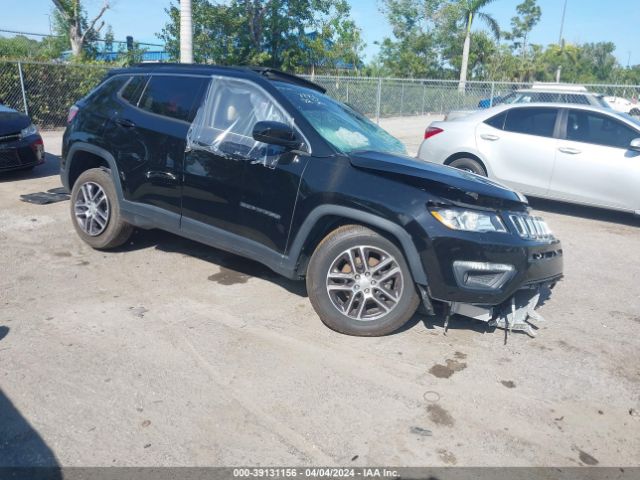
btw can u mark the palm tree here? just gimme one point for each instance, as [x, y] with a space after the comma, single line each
[467, 10]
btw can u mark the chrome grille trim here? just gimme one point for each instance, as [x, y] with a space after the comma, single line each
[530, 227]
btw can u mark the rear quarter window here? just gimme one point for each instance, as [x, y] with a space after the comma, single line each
[133, 89]
[108, 87]
[497, 121]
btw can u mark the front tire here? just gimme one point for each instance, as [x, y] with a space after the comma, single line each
[95, 211]
[469, 165]
[359, 283]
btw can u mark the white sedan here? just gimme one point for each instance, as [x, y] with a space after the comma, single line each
[574, 153]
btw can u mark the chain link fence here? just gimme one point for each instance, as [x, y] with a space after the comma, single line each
[391, 97]
[45, 91]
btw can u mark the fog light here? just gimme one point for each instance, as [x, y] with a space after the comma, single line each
[482, 275]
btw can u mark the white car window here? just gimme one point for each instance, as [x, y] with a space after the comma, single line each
[539, 121]
[590, 127]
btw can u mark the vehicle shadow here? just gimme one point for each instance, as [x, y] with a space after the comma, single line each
[23, 452]
[233, 268]
[3, 331]
[49, 168]
[436, 322]
[589, 213]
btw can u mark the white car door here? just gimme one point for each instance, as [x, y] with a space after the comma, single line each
[594, 164]
[520, 147]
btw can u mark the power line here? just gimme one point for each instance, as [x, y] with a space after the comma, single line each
[47, 35]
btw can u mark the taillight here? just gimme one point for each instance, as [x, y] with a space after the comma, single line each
[431, 131]
[73, 111]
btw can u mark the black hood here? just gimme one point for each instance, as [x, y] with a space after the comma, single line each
[12, 121]
[441, 180]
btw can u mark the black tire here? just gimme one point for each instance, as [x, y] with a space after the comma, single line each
[469, 165]
[116, 231]
[635, 112]
[324, 258]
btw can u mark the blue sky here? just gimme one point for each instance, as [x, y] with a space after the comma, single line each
[617, 21]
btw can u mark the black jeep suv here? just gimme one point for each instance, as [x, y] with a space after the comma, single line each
[265, 165]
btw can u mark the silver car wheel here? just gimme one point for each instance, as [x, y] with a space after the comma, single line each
[365, 283]
[91, 209]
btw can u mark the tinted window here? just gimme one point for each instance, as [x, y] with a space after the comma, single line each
[132, 90]
[589, 127]
[108, 87]
[532, 121]
[497, 121]
[173, 97]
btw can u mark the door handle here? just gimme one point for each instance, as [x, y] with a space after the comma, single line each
[123, 122]
[488, 136]
[569, 150]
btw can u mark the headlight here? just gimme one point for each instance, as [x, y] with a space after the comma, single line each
[30, 130]
[469, 220]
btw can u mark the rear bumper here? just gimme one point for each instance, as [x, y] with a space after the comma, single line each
[21, 153]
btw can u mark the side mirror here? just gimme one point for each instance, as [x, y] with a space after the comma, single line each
[276, 133]
[635, 145]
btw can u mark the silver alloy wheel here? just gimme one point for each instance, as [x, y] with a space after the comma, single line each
[92, 209]
[365, 283]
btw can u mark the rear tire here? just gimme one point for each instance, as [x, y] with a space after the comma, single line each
[469, 165]
[95, 211]
[359, 283]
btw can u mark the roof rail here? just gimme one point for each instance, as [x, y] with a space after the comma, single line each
[267, 72]
[274, 74]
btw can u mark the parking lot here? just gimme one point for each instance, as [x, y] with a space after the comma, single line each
[167, 352]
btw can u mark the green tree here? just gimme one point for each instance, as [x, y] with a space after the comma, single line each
[412, 52]
[288, 34]
[529, 14]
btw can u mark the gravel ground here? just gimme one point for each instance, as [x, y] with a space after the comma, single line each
[167, 352]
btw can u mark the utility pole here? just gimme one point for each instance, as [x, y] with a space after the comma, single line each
[186, 32]
[629, 59]
[560, 42]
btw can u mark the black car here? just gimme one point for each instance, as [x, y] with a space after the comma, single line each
[265, 165]
[21, 145]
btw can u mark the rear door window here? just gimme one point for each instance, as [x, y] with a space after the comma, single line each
[173, 96]
[590, 127]
[537, 121]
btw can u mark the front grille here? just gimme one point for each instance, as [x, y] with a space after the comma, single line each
[12, 137]
[531, 228]
[9, 159]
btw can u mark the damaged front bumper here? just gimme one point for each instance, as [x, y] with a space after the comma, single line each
[515, 314]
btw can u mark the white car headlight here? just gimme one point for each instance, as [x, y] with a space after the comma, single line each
[469, 220]
[30, 130]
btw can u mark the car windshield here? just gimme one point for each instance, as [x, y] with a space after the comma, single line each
[630, 118]
[339, 124]
[510, 98]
